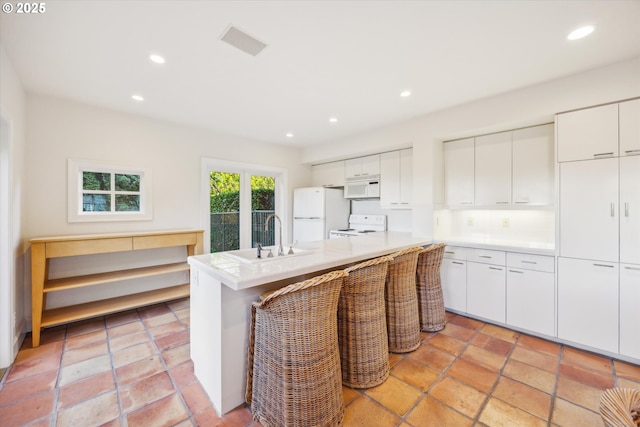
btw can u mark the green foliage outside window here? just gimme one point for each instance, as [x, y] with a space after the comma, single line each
[97, 195]
[225, 192]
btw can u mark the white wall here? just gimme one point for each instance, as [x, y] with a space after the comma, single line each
[61, 129]
[525, 107]
[12, 149]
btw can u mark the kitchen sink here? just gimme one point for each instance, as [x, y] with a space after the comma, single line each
[249, 256]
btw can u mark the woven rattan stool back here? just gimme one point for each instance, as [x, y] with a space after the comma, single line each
[362, 325]
[401, 298]
[430, 298]
[294, 376]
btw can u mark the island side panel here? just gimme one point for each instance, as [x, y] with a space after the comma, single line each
[220, 322]
[206, 336]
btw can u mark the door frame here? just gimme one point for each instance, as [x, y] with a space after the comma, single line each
[209, 165]
[8, 347]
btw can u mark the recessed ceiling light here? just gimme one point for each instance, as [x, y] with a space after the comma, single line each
[289, 135]
[156, 58]
[333, 119]
[581, 32]
[137, 97]
[405, 93]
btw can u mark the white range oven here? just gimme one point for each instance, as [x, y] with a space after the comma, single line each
[361, 224]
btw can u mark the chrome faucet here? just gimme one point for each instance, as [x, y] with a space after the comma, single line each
[266, 228]
[259, 248]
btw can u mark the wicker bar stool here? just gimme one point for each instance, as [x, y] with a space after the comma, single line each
[362, 327]
[620, 407]
[294, 376]
[401, 299]
[432, 315]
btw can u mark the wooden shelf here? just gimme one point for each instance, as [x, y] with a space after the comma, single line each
[72, 313]
[112, 276]
[44, 249]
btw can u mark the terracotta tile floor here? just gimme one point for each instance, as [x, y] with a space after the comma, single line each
[133, 369]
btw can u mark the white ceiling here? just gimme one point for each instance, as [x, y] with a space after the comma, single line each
[348, 59]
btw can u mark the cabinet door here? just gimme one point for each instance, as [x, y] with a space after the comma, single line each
[533, 166]
[390, 178]
[630, 209]
[458, 172]
[486, 291]
[406, 177]
[352, 168]
[630, 127]
[493, 170]
[589, 209]
[370, 165]
[588, 303]
[588, 134]
[328, 175]
[453, 275]
[531, 300]
[629, 303]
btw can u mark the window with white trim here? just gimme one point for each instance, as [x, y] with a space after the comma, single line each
[107, 192]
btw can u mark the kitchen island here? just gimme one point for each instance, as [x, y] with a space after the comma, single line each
[224, 285]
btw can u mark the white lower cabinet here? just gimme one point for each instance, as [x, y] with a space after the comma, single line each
[486, 286]
[531, 293]
[629, 306]
[588, 311]
[454, 284]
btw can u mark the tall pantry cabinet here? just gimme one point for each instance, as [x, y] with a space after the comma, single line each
[599, 227]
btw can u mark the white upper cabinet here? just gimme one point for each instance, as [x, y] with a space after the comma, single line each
[514, 168]
[589, 210]
[328, 174]
[493, 170]
[630, 128]
[533, 166]
[459, 172]
[587, 134]
[362, 166]
[630, 209]
[396, 179]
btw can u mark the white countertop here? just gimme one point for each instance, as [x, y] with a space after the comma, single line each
[527, 247]
[326, 254]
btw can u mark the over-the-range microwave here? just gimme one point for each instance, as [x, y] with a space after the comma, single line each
[362, 187]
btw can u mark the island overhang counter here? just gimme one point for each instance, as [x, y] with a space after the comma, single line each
[223, 288]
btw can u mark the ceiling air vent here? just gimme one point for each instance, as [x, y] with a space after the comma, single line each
[243, 41]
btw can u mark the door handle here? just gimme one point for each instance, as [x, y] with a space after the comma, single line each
[495, 268]
[603, 265]
[626, 209]
[613, 210]
[516, 271]
[632, 268]
[603, 154]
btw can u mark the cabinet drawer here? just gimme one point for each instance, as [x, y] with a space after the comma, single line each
[84, 247]
[531, 262]
[454, 252]
[164, 241]
[486, 256]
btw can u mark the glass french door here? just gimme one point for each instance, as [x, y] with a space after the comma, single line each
[240, 201]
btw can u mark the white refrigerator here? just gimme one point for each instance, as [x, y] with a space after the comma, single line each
[316, 211]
